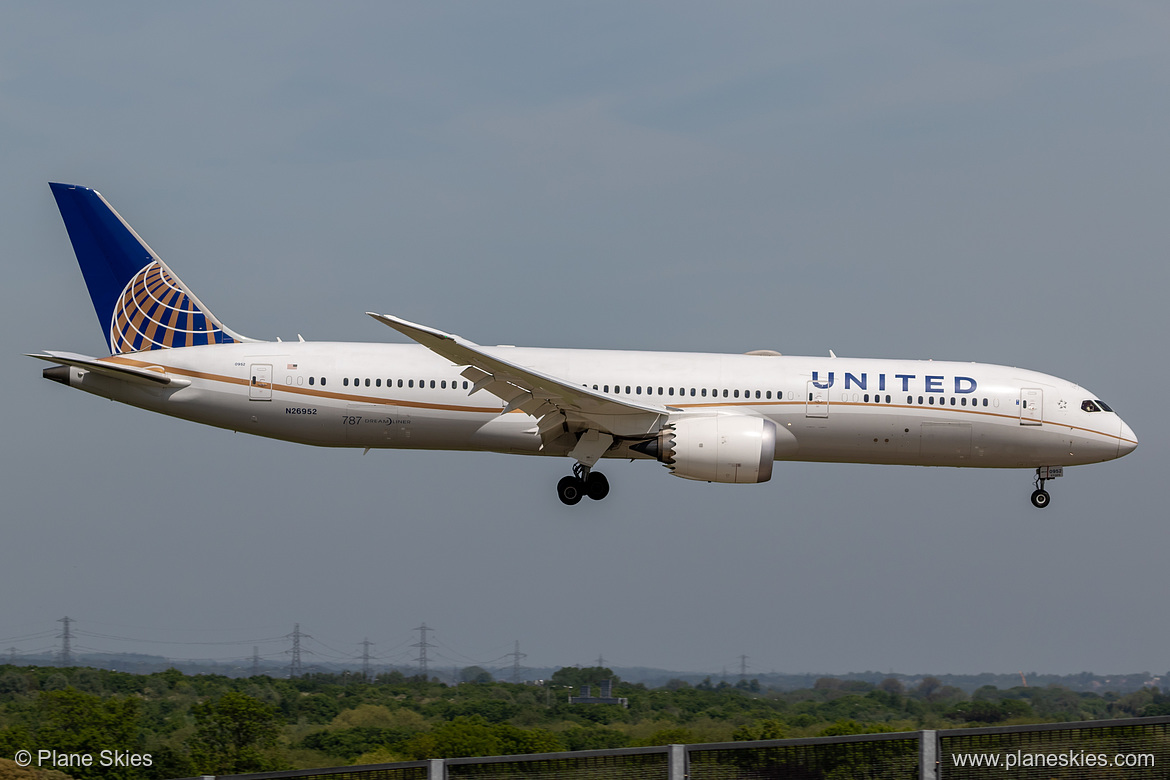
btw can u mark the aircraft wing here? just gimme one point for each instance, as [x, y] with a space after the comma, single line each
[150, 375]
[559, 406]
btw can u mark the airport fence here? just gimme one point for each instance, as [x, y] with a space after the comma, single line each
[1133, 749]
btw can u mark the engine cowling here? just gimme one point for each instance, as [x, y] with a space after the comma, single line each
[726, 448]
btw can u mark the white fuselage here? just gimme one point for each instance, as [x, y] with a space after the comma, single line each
[927, 413]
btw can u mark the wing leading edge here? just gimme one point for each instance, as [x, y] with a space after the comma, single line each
[560, 407]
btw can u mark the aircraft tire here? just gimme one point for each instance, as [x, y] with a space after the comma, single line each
[570, 490]
[597, 486]
[1040, 499]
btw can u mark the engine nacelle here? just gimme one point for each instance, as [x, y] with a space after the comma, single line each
[725, 448]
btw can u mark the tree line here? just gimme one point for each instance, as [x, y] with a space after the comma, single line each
[206, 724]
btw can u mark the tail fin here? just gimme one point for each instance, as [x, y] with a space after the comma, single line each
[138, 299]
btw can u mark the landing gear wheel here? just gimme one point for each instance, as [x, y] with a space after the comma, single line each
[596, 486]
[1040, 497]
[570, 490]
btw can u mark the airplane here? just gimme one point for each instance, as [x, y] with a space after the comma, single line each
[710, 417]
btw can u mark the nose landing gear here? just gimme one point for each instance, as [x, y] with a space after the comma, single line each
[1040, 497]
[583, 482]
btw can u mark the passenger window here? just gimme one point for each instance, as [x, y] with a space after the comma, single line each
[345, 381]
[963, 402]
[660, 391]
[768, 395]
[985, 402]
[322, 381]
[410, 383]
[400, 383]
[704, 392]
[909, 399]
[887, 399]
[465, 384]
[758, 394]
[920, 400]
[931, 399]
[737, 394]
[310, 381]
[627, 389]
[725, 393]
[671, 391]
[952, 400]
[367, 383]
[866, 398]
[432, 384]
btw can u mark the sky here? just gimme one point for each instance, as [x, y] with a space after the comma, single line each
[981, 182]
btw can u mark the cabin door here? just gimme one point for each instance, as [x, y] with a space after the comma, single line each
[1031, 406]
[260, 385]
[816, 401]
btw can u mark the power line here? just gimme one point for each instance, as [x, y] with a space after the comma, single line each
[365, 643]
[422, 646]
[516, 657]
[66, 640]
[294, 668]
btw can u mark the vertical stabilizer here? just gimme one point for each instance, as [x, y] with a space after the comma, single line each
[139, 301]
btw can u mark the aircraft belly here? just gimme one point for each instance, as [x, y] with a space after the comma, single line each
[439, 430]
[853, 437]
[507, 433]
[847, 436]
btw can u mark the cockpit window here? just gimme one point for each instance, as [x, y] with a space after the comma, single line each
[1103, 405]
[1089, 406]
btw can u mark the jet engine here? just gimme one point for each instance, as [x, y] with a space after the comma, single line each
[726, 448]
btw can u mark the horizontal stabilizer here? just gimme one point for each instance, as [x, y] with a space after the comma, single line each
[149, 375]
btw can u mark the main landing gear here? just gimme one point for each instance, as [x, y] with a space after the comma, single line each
[583, 482]
[1040, 497]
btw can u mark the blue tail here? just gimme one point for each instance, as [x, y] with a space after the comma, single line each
[139, 301]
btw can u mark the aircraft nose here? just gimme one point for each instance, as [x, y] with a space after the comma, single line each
[1127, 442]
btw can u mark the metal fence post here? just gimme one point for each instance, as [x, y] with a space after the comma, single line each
[437, 769]
[928, 755]
[677, 762]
